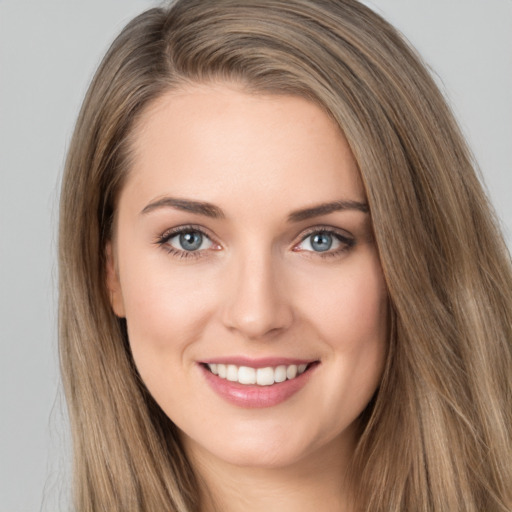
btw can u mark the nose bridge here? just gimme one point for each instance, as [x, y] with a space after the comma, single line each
[257, 304]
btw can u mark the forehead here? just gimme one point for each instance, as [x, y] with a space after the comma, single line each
[223, 145]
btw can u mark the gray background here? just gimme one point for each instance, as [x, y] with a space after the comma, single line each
[48, 52]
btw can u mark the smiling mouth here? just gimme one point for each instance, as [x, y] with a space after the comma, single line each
[249, 376]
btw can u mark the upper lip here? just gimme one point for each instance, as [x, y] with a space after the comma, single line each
[261, 362]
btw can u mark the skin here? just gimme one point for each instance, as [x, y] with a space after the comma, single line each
[255, 288]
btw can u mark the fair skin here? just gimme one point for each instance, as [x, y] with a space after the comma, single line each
[258, 278]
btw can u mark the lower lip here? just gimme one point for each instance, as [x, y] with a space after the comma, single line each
[252, 396]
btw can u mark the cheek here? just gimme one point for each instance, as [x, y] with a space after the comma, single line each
[351, 319]
[166, 310]
[351, 309]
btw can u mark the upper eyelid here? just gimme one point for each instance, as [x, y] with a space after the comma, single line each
[323, 229]
[172, 232]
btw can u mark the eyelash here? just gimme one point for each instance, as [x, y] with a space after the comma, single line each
[162, 240]
[346, 241]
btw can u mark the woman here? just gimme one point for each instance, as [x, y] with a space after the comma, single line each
[281, 283]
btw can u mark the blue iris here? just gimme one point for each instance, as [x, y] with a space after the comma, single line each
[321, 242]
[191, 241]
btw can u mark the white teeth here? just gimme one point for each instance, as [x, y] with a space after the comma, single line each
[265, 376]
[280, 374]
[246, 375]
[261, 376]
[291, 371]
[232, 373]
[221, 369]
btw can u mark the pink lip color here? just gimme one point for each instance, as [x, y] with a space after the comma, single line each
[262, 362]
[252, 396]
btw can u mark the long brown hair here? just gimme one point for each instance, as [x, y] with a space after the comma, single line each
[438, 434]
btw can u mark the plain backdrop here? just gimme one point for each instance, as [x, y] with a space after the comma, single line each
[48, 52]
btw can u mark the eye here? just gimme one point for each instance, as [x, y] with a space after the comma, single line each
[319, 242]
[186, 241]
[325, 241]
[189, 241]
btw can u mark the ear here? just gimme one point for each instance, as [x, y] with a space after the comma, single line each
[113, 283]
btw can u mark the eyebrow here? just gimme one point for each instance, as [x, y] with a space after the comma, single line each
[326, 208]
[214, 212]
[187, 205]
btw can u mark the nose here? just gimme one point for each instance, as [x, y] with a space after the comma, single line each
[257, 304]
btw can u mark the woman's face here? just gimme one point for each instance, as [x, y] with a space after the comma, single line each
[244, 263]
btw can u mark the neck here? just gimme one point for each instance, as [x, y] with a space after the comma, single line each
[318, 481]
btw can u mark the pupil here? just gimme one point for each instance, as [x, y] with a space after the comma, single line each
[191, 241]
[321, 242]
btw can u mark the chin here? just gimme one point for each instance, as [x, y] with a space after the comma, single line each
[268, 447]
